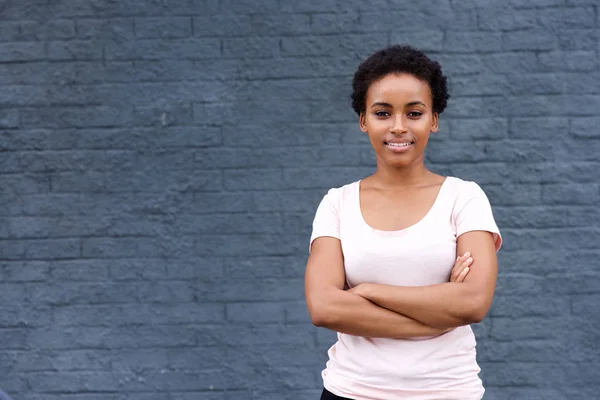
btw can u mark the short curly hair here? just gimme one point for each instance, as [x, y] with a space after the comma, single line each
[399, 59]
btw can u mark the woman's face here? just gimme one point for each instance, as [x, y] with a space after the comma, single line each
[398, 118]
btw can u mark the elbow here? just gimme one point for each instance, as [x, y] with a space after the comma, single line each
[318, 319]
[476, 317]
[474, 307]
[318, 313]
[478, 309]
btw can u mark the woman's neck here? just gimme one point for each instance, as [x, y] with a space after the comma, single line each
[404, 177]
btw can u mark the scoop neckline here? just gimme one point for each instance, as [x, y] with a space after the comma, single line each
[408, 228]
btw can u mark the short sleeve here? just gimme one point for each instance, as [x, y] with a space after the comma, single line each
[473, 212]
[327, 220]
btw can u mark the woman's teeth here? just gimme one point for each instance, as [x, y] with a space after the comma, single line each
[399, 144]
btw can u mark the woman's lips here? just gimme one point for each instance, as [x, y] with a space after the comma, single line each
[399, 146]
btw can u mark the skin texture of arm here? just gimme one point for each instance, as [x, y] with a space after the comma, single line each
[449, 304]
[342, 311]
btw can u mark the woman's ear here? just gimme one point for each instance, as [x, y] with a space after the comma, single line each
[434, 122]
[362, 122]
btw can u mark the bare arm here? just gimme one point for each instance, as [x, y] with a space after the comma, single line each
[447, 304]
[342, 311]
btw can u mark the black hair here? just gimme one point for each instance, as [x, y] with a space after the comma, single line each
[399, 59]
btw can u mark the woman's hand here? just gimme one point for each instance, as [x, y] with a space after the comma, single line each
[461, 268]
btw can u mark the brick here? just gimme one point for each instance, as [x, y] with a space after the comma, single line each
[13, 31]
[56, 73]
[576, 83]
[480, 85]
[311, 6]
[574, 39]
[251, 47]
[580, 283]
[133, 8]
[64, 117]
[102, 72]
[9, 118]
[323, 45]
[253, 179]
[144, 138]
[29, 95]
[537, 84]
[113, 28]
[224, 25]
[515, 240]
[22, 51]
[581, 128]
[121, 315]
[174, 27]
[566, 17]
[174, 114]
[524, 151]
[425, 40]
[476, 107]
[508, 62]
[361, 6]
[247, 7]
[473, 42]
[569, 60]
[296, 178]
[529, 40]
[74, 50]
[25, 317]
[14, 339]
[459, 64]
[480, 128]
[546, 351]
[411, 19]
[528, 306]
[79, 270]
[119, 247]
[24, 271]
[48, 161]
[265, 267]
[528, 217]
[538, 128]
[332, 22]
[35, 9]
[585, 151]
[250, 245]
[255, 312]
[505, 19]
[148, 49]
[573, 194]
[290, 200]
[536, 3]
[447, 152]
[227, 223]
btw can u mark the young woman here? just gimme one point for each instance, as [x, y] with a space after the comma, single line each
[402, 261]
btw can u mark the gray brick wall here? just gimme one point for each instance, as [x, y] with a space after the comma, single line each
[161, 162]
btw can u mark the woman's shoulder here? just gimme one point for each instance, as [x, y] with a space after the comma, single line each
[461, 186]
[343, 191]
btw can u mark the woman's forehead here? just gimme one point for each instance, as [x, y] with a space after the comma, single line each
[399, 86]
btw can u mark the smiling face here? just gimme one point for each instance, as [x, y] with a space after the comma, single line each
[399, 117]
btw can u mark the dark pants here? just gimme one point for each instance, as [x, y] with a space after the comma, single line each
[327, 395]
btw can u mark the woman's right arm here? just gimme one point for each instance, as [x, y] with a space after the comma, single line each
[330, 306]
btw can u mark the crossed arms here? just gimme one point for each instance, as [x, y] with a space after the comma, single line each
[374, 310]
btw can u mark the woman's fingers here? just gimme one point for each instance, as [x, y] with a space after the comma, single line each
[463, 262]
[463, 275]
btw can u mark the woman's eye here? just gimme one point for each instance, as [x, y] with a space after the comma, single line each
[382, 113]
[415, 114]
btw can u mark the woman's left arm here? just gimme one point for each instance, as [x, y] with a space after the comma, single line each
[448, 304]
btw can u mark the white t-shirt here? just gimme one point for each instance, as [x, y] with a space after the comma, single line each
[443, 367]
